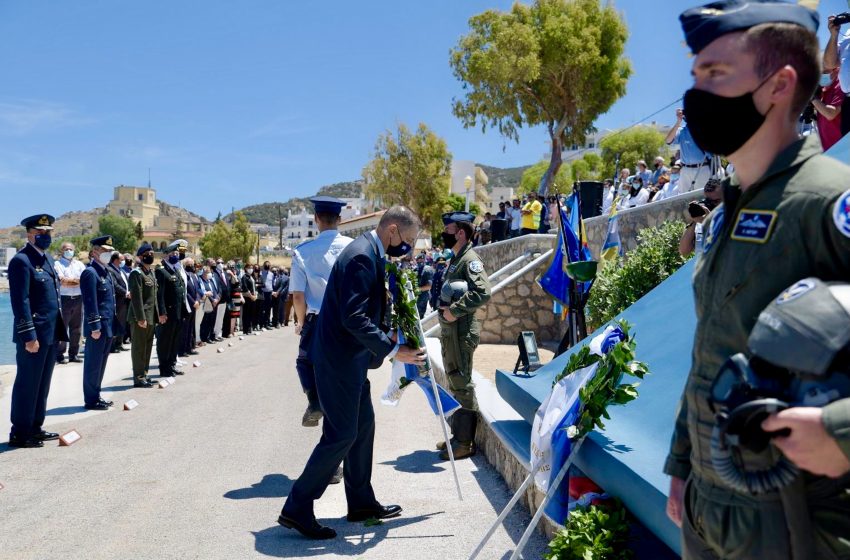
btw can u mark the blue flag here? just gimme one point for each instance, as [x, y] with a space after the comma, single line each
[555, 281]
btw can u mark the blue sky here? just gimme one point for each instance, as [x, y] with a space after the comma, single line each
[236, 103]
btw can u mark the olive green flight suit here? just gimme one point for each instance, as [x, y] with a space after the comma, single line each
[459, 339]
[143, 307]
[788, 226]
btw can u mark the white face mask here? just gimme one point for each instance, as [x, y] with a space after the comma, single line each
[104, 258]
[68, 254]
[249, 270]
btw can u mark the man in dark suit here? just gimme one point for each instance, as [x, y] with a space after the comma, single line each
[171, 295]
[193, 295]
[281, 291]
[350, 338]
[34, 291]
[122, 299]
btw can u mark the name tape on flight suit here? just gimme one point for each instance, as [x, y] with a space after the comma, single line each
[754, 226]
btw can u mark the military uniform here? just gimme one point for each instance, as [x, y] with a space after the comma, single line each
[459, 338]
[34, 293]
[312, 262]
[143, 307]
[171, 298]
[98, 293]
[792, 223]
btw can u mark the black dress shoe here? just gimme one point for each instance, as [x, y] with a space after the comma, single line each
[380, 512]
[61, 360]
[178, 372]
[313, 531]
[193, 352]
[75, 360]
[96, 406]
[44, 436]
[143, 385]
[106, 402]
[16, 441]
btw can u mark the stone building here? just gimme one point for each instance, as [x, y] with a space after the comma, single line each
[136, 203]
[299, 226]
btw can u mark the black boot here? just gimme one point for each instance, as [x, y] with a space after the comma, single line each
[464, 424]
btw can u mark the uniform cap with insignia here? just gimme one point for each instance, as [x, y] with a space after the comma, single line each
[454, 217]
[104, 241]
[704, 24]
[805, 328]
[327, 205]
[178, 245]
[39, 221]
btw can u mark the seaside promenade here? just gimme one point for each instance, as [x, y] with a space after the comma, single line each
[200, 470]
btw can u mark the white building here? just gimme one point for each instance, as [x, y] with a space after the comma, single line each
[299, 227]
[497, 195]
[461, 169]
[6, 255]
[591, 143]
[353, 207]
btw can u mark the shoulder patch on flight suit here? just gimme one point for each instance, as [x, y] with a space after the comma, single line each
[476, 267]
[754, 226]
[795, 291]
[715, 229]
[841, 214]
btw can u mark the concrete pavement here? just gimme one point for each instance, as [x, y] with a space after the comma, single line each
[201, 469]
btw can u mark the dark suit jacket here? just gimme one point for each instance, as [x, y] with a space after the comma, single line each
[192, 294]
[34, 291]
[121, 291]
[349, 335]
[281, 286]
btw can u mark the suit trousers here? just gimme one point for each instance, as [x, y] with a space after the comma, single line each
[96, 353]
[167, 337]
[72, 314]
[29, 393]
[265, 316]
[348, 433]
[121, 309]
[287, 310]
[207, 326]
[197, 318]
[219, 318]
[141, 345]
[187, 334]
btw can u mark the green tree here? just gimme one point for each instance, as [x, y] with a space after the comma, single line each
[81, 242]
[531, 177]
[140, 233]
[457, 203]
[122, 230]
[631, 145]
[229, 242]
[557, 63]
[412, 169]
[587, 168]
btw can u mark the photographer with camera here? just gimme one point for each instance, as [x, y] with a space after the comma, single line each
[785, 217]
[827, 102]
[837, 56]
[692, 238]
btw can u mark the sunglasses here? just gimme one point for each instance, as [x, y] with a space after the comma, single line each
[709, 188]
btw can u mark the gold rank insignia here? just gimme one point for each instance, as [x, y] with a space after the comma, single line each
[44, 221]
[109, 241]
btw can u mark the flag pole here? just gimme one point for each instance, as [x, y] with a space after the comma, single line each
[505, 511]
[553, 487]
[409, 288]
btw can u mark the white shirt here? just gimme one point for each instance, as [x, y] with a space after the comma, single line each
[312, 262]
[608, 199]
[69, 270]
[669, 190]
[641, 198]
[844, 59]
[516, 217]
[269, 285]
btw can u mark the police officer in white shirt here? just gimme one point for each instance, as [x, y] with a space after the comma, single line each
[311, 266]
[69, 270]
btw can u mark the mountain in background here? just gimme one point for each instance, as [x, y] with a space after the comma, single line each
[499, 177]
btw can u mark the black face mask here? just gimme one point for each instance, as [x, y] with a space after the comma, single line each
[147, 259]
[399, 250]
[266, 267]
[449, 239]
[129, 264]
[709, 117]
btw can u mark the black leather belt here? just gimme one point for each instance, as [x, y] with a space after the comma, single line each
[706, 162]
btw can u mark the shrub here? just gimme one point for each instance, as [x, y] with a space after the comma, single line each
[621, 283]
[593, 533]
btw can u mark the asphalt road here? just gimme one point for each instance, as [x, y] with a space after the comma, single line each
[201, 469]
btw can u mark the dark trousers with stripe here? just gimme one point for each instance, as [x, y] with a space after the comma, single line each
[96, 354]
[29, 393]
[167, 340]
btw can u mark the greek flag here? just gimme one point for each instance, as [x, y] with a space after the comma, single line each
[612, 248]
[555, 421]
[555, 281]
[404, 375]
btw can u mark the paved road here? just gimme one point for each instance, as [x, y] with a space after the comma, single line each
[200, 470]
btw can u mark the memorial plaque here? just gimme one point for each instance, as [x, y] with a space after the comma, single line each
[220, 350]
[170, 380]
[69, 438]
[196, 364]
[131, 404]
[163, 383]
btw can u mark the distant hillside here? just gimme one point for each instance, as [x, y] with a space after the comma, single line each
[498, 177]
[267, 212]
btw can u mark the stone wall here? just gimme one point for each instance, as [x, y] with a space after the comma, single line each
[631, 221]
[497, 255]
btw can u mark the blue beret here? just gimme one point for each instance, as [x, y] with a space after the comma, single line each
[104, 241]
[39, 221]
[327, 205]
[144, 248]
[454, 217]
[704, 24]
